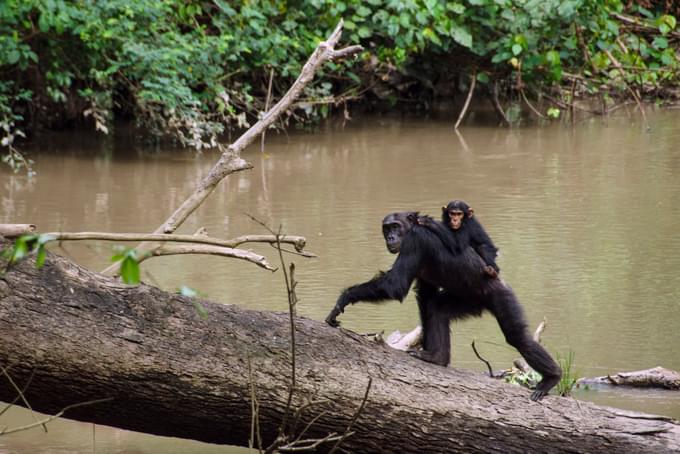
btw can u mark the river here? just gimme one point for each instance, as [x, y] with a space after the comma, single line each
[586, 218]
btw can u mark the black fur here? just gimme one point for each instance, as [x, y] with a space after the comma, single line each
[449, 285]
[471, 233]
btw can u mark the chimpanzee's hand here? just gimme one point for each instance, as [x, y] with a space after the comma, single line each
[338, 309]
[332, 317]
[490, 271]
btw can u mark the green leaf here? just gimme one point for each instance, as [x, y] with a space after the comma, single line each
[483, 78]
[461, 36]
[456, 8]
[364, 32]
[13, 56]
[660, 42]
[552, 57]
[363, 11]
[40, 259]
[129, 270]
[667, 20]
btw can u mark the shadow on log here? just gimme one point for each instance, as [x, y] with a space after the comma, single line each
[171, 372]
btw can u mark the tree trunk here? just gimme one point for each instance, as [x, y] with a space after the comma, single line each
[171, 372]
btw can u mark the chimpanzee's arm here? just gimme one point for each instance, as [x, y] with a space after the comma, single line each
[482, 243]
[392, 285]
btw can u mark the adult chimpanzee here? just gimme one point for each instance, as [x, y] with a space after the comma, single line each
[448, 286]
[467, 231]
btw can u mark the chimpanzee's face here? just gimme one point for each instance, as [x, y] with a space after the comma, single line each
[456, 219]
[395, 226]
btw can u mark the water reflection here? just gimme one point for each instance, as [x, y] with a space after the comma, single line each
[585, 218]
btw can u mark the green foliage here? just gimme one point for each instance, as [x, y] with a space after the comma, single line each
[568, 380]
[25, 245]
[527, 379]
[129, 265]
[191, 69]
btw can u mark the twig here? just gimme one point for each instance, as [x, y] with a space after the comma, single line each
[467, 100]
[632, 91]
[291, 284]
[310, 424]
[26, 385]
[292, 300]
[497, 104]
[635, 21]
[572, 116]
[309, 445]
[53, 417]
[255, 412]
[488, 365]
[305, 254]
[266, 104]
[526, 100]
[354, 418]
[21, 395]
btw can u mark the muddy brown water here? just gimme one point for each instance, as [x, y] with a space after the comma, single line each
[587, 219]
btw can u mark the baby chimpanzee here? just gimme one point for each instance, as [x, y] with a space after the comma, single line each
[467, 231]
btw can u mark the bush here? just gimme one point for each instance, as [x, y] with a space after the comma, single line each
[191, 68]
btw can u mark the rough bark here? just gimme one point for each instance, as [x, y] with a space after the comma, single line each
[170, 372]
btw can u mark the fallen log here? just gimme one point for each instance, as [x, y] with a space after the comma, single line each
[80, 336]
[656, 377]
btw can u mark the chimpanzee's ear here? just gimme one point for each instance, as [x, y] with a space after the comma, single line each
[471, 213]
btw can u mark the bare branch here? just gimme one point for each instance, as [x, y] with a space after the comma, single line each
[240, 254]
[467, 100]
[230, 161]
[298, 242]
[14, 230]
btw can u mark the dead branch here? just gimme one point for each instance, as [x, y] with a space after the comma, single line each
[230, 161]
[239, 254]
[467, 100]
[14, 230]
[657, 377]
[298, 241]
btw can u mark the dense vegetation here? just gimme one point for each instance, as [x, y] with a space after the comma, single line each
[189, 68]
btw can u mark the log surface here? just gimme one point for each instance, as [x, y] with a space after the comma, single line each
[170, 372]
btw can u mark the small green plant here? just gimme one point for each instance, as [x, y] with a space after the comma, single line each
[527, 379]
[129, 265]
[568, 380]
[25, 245]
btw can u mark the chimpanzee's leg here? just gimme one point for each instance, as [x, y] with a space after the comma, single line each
[435, 323]
[507, 310]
